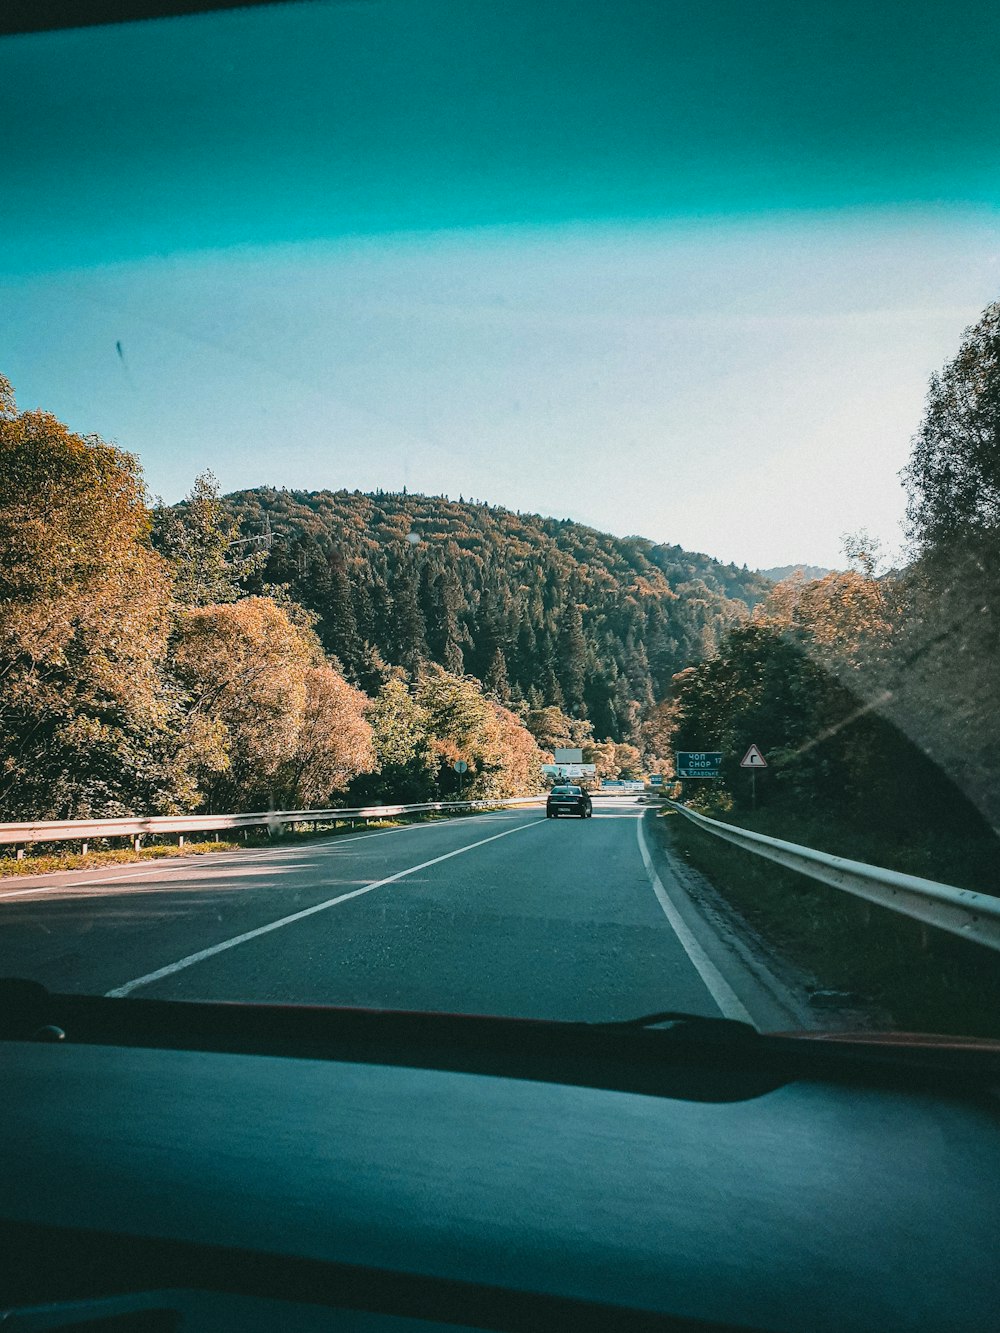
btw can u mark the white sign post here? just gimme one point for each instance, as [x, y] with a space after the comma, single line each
[753, 759]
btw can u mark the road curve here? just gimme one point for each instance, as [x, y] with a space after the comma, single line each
[505, 913]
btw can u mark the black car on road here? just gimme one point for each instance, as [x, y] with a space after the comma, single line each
[568, 800]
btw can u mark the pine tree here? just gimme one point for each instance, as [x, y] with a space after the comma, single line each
[572, 650]
[496, 681]
[408, 634]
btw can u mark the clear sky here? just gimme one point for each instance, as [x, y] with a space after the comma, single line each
[677, 270]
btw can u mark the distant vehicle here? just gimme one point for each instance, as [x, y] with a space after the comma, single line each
[568, 800]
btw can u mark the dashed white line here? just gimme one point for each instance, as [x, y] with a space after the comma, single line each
[198, 957]
[716, 984]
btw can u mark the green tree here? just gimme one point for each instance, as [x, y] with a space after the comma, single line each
[953, 476]
[201, 540]
[552, 729]
[572, 657]
[403, 767]
[946, 686]
[497, 682]
[408, 635]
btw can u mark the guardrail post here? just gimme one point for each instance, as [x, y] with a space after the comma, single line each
[180, 840]
[137, 842]
[83, 847]
[20, 853]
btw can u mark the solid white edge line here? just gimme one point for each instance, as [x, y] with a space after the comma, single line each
[716, 984]
[193, 958]
[187, 860]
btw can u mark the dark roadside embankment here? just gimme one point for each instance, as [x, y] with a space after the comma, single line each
[858, 954]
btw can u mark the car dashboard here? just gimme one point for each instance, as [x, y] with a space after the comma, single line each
[491, 1174]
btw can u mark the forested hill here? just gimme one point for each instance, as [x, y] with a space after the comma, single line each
[807, 573]
[541, 610]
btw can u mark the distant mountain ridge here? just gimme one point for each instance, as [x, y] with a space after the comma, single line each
[781, 572]
[542, 610]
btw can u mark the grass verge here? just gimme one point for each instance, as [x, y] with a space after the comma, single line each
[927, 980]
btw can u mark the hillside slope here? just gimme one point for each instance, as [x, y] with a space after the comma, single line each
[807, 572]
[541, 610]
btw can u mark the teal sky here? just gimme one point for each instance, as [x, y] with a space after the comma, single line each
[677, 269]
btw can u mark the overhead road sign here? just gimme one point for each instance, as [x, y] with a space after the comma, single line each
[698, 763]
[570, 770]
[753, 759]
[568, 756]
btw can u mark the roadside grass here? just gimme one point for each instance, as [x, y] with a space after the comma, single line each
[928, 980]
[42, 859]
[47, 863]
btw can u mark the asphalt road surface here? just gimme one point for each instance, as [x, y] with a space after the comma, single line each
[506, 913]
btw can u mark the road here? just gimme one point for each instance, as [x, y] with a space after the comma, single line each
[505, 913]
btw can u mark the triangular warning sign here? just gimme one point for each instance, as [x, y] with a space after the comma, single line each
[753, 759]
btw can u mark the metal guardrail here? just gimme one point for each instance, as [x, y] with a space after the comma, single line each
[971, 916]
[137, 827]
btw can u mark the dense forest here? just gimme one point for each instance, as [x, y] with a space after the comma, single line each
[289, 650]
[543, 611]
[296, 648]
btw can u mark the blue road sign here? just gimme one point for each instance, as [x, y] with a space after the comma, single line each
[698, 763]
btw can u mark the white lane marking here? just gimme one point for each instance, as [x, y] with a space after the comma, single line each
[299, 916]
[718, 987]
[206, 859]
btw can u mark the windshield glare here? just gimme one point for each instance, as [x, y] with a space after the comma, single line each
[403, 412]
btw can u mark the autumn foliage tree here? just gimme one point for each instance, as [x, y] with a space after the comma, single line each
[85, 720]
[463, 724]
[292, 730]
[334, 742]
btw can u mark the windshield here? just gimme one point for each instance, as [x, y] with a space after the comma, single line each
[407, 408]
